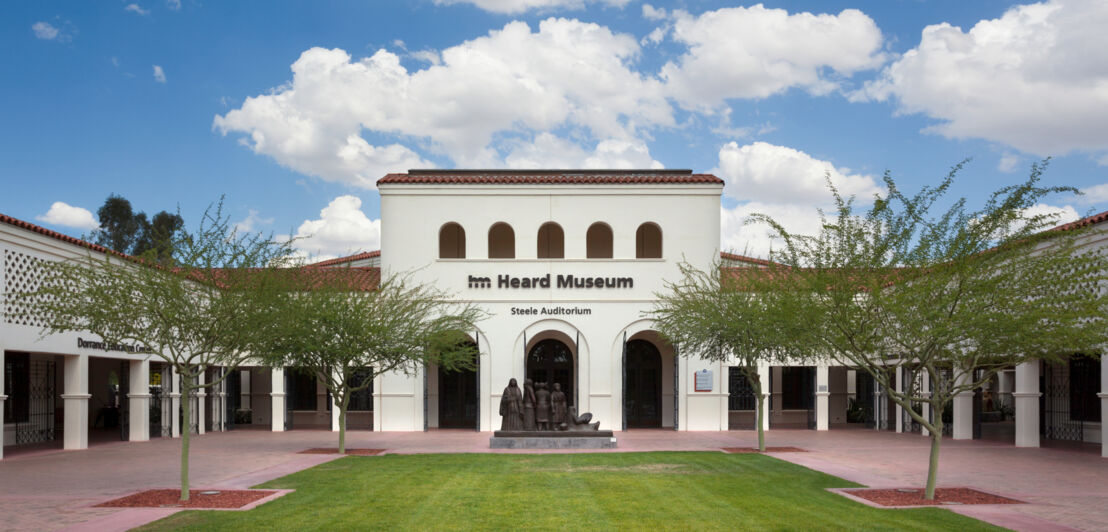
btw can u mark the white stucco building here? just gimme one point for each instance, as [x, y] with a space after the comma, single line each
[567, 264]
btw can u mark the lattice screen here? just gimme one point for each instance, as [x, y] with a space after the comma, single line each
[21, 274]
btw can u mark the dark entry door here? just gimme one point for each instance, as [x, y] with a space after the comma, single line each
[457, 399]
[644, 385]
[551, 361]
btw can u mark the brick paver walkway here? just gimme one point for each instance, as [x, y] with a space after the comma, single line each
[47, 491]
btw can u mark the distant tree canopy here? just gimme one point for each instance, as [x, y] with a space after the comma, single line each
[125, 231]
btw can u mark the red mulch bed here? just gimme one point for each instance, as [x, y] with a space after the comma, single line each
[943, 496]
[197, 499]
[335, 450]
[747, 450]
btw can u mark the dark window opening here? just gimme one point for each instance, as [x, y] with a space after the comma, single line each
[551, 241]
[798, 388]
[361, 400]
[598, 241]
[1084, 385]
[648, 241]
[502, 241]
[304, 390]
[452, 241]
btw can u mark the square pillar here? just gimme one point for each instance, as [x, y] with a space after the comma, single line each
[1027, 404]
[277, 387]
[880, 416]
[823, 395]
[764, 377]
[1103, 395]
[201, 415]
[219, 404]
[139, 399]
[76, 398]
[963, 407]
[174, 403]
[334, 406]
[3, 378]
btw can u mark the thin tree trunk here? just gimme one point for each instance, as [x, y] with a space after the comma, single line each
[341, 405]
[186, 433]
[933, 466]
[759, 419]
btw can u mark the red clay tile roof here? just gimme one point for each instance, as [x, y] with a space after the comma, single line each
[1084, 222]
[743, 258]
[344, 260]
[549, 177]
[56, 235]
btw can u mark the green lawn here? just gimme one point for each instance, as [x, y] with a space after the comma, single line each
[616, 491]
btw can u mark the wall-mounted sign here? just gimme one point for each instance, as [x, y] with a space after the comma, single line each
[703, 380]
[565, 282]
[104, 346]
[551, 311]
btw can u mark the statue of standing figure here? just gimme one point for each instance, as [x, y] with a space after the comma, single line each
[528, 404]
[511, 407]
[542, 407]
[558, 407]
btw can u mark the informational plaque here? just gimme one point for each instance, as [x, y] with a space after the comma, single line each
[703, 380]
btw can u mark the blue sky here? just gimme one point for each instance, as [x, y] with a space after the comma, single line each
[293, 109]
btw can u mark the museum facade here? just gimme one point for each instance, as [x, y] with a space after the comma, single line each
[567, 264]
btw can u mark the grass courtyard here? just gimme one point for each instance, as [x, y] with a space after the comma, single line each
[610, 491]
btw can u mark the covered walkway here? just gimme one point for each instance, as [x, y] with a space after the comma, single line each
[52, 490]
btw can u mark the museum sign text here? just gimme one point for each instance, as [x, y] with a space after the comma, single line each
[561, 281]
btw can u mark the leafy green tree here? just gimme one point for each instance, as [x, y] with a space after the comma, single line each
[940, 293]
[720, 316]
[119, 224]
[157, 236]
[328, 322]
[202, 312]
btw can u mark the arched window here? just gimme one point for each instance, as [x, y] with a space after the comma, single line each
[452, 241]
[598, 241]
[648, 241]
[552, 241]
[502, 241]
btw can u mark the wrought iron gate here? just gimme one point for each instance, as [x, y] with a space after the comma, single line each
[290, 396]
[232, 384]
[123, 390]
[35, 420]
[741, 395]
[1057, 421]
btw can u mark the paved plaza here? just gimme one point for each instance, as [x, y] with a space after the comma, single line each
[53, 490]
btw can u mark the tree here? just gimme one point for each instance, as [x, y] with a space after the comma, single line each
[157, 237]
[199, 313]
[345, 333]
[719, 315]
[955, 295]
[125, 231]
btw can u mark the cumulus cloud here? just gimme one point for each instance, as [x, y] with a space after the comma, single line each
[781, 182]
[342, 229]
[1008, 162]
[66, 215]
[568, 74]
[173, 5]
[519, 6]
[1059, 214]
[159, 74]
[1094, 195]
[550, 151]
[1035, 79]
[136, 9]
[251, 223]
[44, 30]
[755, 52]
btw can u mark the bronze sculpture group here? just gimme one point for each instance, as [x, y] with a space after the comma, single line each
[536, 409]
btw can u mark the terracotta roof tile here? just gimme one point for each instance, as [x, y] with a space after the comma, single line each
[1084, 222]
[743, 258]
[56, 235]
[549, 177]
[344, 260]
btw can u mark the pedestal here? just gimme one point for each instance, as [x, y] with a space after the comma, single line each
[599, 439]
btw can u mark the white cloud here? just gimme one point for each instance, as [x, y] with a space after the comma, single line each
[784, 183]
[342, 229]
[520, 6]
[514, 80]
[251, 223]
[755, 52]
[45, 30]
[549, 151]
[1008, 162]
[136, 9]
[159, 74]
[66, 215]
[174, 5]
[1060, 215]
[1096, 194]
[1035, 79]
[778, 174]
[650, 12]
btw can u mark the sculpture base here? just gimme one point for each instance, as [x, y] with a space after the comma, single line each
[593, 439]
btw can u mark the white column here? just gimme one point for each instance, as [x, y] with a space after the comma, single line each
[963, 407]
[823, 395]
[277, 387]
[880, 417]
[3, 397]
[1027, 404]
[76, 398]
[201, 403]
[335, 407]
[139, 399]
[1103, 395]
[764, 377]
[900, 390]
[174, 403]
[925, 391]
[219, 408]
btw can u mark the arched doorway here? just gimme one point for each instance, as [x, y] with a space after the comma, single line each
[643, 374]
[551, 361]
[458, 396]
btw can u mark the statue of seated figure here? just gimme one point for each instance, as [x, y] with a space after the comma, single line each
[575, 423]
